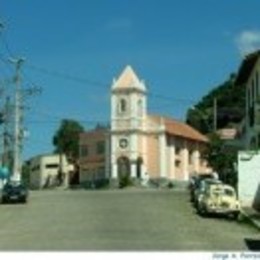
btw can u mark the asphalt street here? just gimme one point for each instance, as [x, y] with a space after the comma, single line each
[117, 220]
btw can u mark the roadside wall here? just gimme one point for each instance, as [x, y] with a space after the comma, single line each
[249, 178]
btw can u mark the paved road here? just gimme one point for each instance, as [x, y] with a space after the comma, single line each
[116, 220]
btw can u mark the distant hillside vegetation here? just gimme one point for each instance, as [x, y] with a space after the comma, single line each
[230, 107]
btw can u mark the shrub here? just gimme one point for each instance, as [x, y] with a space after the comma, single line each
[124, 182]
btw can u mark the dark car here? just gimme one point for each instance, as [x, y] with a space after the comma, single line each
[14, 192]
[195, 183]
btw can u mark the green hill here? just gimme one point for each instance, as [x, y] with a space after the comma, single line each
[230, 107]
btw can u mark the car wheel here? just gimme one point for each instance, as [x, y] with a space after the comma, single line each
[201, 211]
[235, 215]
[24, 200]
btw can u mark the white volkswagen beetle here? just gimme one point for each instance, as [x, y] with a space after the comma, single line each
[219, 199]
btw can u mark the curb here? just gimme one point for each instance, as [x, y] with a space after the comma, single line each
[255, 223]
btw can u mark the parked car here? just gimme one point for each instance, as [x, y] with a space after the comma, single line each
[219, 199]
[14, 191]
[201, 189]
[194, 183]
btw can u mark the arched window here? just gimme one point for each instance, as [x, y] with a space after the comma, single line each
[140, 107]
[122, 105]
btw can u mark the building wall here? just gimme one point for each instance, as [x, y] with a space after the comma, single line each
[93, 151]
[35, 173]
[93, 172]
[44, 170]
[249, 178]
[184, 158]
[179, 157]
[153, 166]
[252, 102]
[171, 157]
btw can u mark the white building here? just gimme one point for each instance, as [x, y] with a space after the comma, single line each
[249, 179]
[144, 145]
[249, 159]
[44, 170]
[248, 78]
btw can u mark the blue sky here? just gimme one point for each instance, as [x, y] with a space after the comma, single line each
[182, 49]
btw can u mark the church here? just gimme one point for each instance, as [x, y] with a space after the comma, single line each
[139, 145]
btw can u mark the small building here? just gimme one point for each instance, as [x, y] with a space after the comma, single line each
[94, 156]
[44, 170]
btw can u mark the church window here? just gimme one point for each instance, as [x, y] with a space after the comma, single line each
[100, 147]
[122, 106]
[84, 151]
[177, 163]
[177, 150]
[140, 107]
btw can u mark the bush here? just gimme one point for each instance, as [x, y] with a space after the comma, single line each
[170, 185]
[124, 182]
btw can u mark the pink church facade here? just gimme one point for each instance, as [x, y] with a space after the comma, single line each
[145, 146]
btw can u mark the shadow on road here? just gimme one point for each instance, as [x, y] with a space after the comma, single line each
[253, 244]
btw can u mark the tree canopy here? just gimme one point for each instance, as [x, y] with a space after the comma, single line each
[66, 138]
[230, 107]
[222, 158]
[221, 155]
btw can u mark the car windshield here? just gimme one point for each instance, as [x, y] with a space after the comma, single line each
[223, 191]
[228, 192]
[14, 185]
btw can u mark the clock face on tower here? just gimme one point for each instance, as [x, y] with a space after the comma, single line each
[123, 143]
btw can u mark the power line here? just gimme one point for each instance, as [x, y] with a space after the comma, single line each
[81, 80]
[87, 81]
[102, 85]
[60, 116]
[54, 122]
[66, 76]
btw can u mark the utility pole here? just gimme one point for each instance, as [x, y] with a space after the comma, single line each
[16, 175]
[6, 134]
[215, 114]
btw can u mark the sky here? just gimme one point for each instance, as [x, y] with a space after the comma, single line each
[74, 48]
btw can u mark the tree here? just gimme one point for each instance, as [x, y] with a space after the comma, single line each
[220, 155]
[26, 173]
[230, 107]
[222, 158]
[66, 139]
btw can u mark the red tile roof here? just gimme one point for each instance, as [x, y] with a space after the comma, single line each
[177, 128]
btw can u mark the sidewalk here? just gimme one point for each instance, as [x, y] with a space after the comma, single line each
[252, 215]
